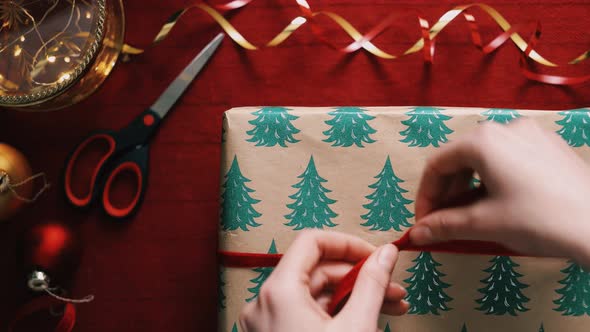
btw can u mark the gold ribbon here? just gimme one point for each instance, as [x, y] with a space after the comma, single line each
[359, 40]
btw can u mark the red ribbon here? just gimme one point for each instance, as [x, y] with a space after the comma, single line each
[66, 323]
[344, 287]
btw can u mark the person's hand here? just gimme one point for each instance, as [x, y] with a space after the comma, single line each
[535, 198]
[296, 294]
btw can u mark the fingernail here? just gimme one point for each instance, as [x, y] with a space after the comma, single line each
[406, 304]
[386, 257]
[403, 290]
[421, 234]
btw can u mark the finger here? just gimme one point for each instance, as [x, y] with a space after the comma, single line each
[460, 156]
[311, 247]
[369, 290]
[458, 185]
[323, 301]
[395, 292]
[455, 191]
[431, 187]
[247, 317]
[458, 223]
[327, 274]
[395, 308]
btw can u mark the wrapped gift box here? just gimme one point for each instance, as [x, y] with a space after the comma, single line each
[356, 170]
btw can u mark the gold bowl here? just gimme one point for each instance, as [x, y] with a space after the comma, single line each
[54, 53]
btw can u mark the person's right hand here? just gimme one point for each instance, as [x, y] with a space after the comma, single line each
[536, 196]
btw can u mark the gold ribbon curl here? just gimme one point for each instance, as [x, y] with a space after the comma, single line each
[360, 40]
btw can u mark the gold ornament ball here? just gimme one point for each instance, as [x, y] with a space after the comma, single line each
[14, 168]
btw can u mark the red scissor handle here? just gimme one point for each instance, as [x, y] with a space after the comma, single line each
[135, 162]
[109, 207]
[126, 145]
[85, 199]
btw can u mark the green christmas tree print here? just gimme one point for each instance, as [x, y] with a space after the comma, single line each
[541, 329]
[311, 207]
[220, 294]
[464, 329]
[425, 288]
[349, 126]
[501, 115]
[575, 293]
[273, 126]
[575, 128]
[234, 328]
[237, 207]
[502, 293]
[263, 274]
[387, 208]
[387, 328]
[426, 127]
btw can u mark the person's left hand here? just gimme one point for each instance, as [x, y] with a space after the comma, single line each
[295, 296]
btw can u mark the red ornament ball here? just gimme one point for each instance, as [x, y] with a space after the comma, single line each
[51, 248]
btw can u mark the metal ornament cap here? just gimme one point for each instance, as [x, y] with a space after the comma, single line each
[38, 281]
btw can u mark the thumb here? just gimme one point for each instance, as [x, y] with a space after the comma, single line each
[367, 296]
[459, 223]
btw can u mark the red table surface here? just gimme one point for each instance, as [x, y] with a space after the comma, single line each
[159, 271]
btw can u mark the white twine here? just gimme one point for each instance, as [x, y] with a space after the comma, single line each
[85, 299]
[6, 185]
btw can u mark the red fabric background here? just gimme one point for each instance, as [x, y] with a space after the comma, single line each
[158, 272]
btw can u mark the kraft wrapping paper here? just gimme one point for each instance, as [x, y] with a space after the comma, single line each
[356, 170]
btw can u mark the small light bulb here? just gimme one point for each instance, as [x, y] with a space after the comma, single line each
[22, 38]
[88, 15]
[17, 50]
[67, 59]
[64, 77]
[51, 58]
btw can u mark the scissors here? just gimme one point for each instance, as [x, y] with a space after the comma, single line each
[127, 149]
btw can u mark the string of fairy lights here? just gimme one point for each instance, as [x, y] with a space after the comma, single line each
[36, 44]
